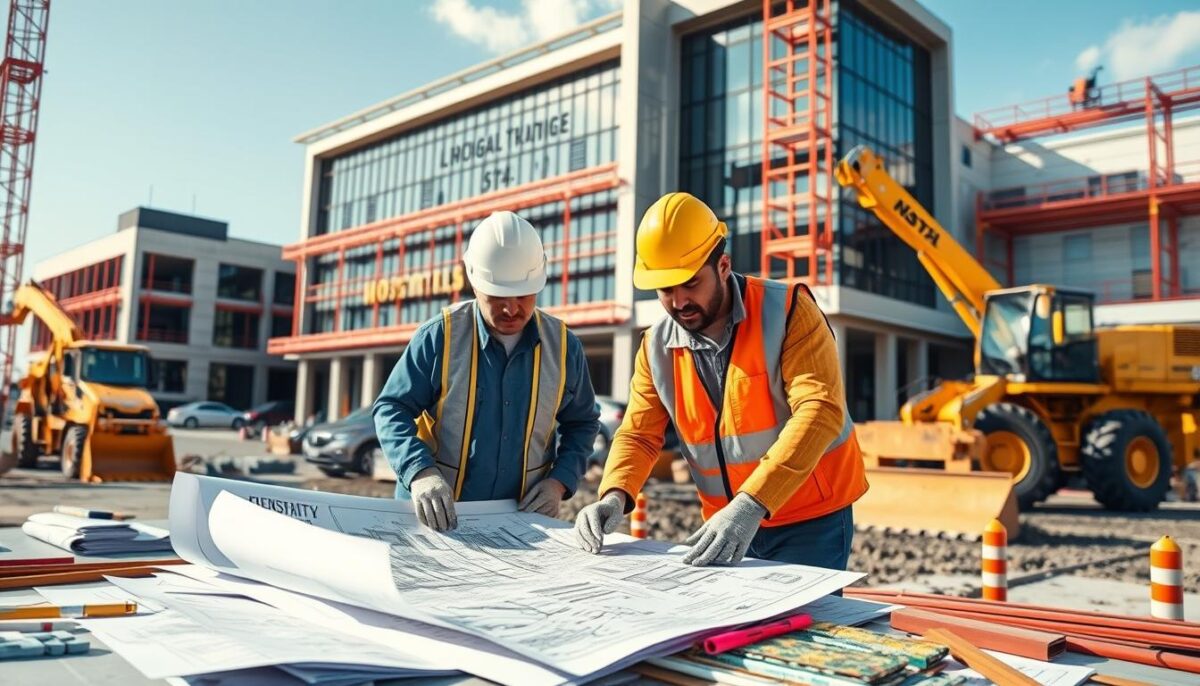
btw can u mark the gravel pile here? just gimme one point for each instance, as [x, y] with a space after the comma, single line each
[1089, 541]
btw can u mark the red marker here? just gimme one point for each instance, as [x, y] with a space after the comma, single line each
[744, 637]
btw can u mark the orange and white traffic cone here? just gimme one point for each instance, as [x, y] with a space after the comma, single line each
[995, 561]
[637, 518]
[1166, 579]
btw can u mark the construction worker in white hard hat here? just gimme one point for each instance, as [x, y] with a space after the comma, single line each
[473, 408]
[748, 371]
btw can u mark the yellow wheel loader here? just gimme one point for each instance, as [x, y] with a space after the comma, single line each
[87, 402]
[1052, 395]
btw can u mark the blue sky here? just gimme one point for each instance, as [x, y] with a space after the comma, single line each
[201, 100]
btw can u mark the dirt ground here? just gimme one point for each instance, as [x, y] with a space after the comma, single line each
[1070, 532]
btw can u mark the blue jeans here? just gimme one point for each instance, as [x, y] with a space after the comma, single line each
[821, 542]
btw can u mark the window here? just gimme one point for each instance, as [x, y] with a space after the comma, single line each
[235, 329]
[886, 103]
[285, 289]
[966, 157]
[166, 273]
[168, 376]
[542, 132]
[163, 323]
[281, 325]
[232, 384]
[239, 283]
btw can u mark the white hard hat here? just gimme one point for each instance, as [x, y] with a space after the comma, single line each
[505, 258]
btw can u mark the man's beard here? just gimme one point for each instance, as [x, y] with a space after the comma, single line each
[708, 315]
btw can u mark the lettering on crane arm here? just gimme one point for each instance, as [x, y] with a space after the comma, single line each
[914, 220]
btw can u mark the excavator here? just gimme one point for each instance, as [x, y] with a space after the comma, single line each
[87, 401]
[1052, 395]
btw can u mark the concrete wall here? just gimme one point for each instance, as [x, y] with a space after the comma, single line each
[1126, 148]
[199, 352]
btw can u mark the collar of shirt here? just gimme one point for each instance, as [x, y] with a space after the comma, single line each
[529, 334]
[679, 337]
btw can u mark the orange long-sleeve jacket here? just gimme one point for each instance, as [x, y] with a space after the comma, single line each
[813, 379]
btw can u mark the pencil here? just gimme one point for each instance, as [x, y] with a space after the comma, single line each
[76, 611]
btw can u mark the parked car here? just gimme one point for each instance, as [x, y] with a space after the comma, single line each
[297, 434]
[270, 414]
[349, 444]
[205, 413]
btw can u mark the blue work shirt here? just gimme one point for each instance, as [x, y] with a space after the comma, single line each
[494, 461]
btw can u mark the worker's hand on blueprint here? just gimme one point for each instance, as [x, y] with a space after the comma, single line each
[433, 500]
[725, 537]
[597, 519]
[544, 498]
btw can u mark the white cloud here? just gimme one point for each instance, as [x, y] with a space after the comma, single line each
[495, 31]
[1087, 59]
[1141, 49]
[499, 31]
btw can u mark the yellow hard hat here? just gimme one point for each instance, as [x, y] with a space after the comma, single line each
[674, 239]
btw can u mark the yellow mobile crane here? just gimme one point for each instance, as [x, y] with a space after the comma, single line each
[87, 401]
[1051, 394]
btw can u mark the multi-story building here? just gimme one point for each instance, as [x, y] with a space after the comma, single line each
[1101, 194]
[580, 134]
[202, 302]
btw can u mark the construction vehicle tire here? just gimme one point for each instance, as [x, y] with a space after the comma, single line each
[1126, 459]
[22, 441]
[1018, 442]
[72, 450]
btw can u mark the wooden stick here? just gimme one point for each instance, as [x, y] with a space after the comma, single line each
[976, 659]
[1109, 680]
[76, 577]
[31, 570]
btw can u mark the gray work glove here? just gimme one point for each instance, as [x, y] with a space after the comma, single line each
[725, 537]
[433, 499]
[597, 519]
[544, 498]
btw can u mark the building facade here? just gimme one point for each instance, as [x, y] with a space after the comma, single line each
[582, 133]
[203, 303]
[1112, 208]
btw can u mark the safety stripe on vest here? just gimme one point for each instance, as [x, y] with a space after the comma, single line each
[456, 405]
[747, 448]
[744, 449]
[454, 424]
[549, 382]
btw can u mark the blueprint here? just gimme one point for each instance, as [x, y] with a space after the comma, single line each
[512, 578]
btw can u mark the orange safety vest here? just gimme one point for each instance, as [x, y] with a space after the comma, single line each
[723, 449]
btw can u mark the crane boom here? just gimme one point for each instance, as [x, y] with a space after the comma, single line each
[957, 274]
[32, 298]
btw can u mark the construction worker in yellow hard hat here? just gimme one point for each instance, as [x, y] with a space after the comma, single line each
[748, 372]
[454, 416]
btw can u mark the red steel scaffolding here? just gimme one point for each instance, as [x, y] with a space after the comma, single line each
[20, 94]
[1159, 194]
[797, 149]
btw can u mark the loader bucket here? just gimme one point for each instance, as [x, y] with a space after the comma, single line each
[931, 501]
[111, 456]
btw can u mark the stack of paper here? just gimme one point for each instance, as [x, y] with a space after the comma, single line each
[96, 536]
[507, 596]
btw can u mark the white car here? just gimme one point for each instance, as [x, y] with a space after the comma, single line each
[205, 414]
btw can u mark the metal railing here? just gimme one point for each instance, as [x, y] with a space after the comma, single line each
[1093, 186]
[1108, 95]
